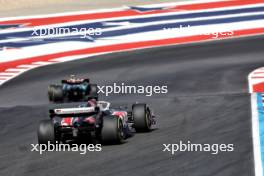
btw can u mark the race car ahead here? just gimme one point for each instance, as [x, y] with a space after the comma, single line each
[95, 120]
[73, 89]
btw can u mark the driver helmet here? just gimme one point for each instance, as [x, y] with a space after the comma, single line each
[72, 78]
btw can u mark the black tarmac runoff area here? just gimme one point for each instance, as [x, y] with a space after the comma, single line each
[207, 103]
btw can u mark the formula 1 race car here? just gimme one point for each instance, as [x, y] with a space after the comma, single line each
[95, 120]
[73, 89]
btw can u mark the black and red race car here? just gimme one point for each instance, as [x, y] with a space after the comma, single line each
[72, 89]
[95, 120]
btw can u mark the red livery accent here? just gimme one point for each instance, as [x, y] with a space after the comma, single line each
[66, 121]
[120, 114]
[90, 120]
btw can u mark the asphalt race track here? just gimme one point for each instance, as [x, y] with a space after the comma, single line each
[207, 102]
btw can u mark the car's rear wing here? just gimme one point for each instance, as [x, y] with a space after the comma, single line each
[78, 81]
[74, 112]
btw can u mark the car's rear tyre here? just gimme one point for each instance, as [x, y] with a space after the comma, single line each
[142, 117]
[93, 91]
[46, 132]
[50, 94]
[57, 93]
[112, 131]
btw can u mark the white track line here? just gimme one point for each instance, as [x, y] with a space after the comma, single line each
[7, 74]
[4, 77]
[27, 66]
[42, 63]
[16, 70]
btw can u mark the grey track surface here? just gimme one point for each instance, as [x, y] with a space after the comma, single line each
[207, 103]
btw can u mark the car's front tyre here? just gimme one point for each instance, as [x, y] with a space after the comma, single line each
[141, 117]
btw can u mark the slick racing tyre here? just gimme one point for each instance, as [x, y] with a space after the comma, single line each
[112, 131]
[56, 93]
[142, 117]
[50, 91]
[46, 132]
[93, 91]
